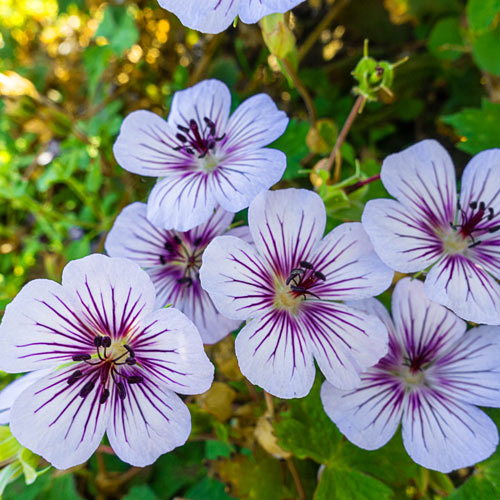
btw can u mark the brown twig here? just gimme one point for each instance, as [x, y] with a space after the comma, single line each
[206, 59]
[358, 104]
[358, 185]
[296, 478]
[269, 403]
[316, 33]
[302, 90]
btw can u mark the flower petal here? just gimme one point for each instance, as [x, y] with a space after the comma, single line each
[181, 201]
[368, 415]
[198, 306]
[470, 371]
[345, 342]
[112, 293]
[242, 175]
[52, 420]
[134, 237]
[347, 260]
[146, 145]
[168, 345]
[10, 393]
[208, 99]
[285, 226]
[149, 422]
[273, 353]
[256, 123]
[253, 11]
[207, 16]
[403, 239]
[466, 289]
[481, 182]
[42, 327]
[425, 328]
[236, 279]
[422, 178]
[443, 434]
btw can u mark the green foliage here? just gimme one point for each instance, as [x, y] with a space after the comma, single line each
[445, 40]
[118, 26]
[481, 13]
[478, 127]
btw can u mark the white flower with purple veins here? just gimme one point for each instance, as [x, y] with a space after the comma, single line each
[427, 228]
[116, 364]
[287, 287]
[173, 260]
[430, 381]
[204, 157]
[214, 16]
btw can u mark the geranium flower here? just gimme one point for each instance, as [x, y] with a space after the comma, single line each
[287, 287]
[173, 259]
[116, 363]
[205, 157]
[214, 16]
[428, 228]
[431, 379]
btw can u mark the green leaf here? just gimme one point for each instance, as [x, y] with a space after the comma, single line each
[96, 60]
[142, 492]
[9, 474]
[293, 144]
[344, 484]
[477, 127]
[119, 27]
[481, 13]
[486, 51]
[306, 430]
[207, 488]
[445, 38]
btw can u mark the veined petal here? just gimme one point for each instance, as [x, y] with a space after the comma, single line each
[402, 239]
[150, 421]
[134, 237]
[347, 260]
[113, 294]
[10, 393]
[208, 99]
[470, 371]
[466, 289]
[286, 225]
[169, 346]
[216, 225]
[146, 145]
[425, 328]
[242, 232]
[54, 421]
[444, 434]
[256, 123]
[212, 325]
[273, 353]
[422, 178]
[242, 175]
[254, 10]
[368, 415]
[181, 201]
[42, 328]
[481, 182]
[345, 342]
[238, 282]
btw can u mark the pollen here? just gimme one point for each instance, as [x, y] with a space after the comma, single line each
[454, 243]
[284, 300]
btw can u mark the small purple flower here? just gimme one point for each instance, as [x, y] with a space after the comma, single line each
[287, 287]
[173, 259]
[214, 16]
[430, 381]
[204, 157]
[427, 228]
[115, 364]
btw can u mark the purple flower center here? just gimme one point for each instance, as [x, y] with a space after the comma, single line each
[475, 222]
[186, 255]
[303, 278]
[197, 139]
[104, 369]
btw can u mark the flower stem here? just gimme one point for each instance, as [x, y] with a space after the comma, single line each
[296, 478]
[269, 403]
[358, 104]
[358, 185]
[302, 90]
